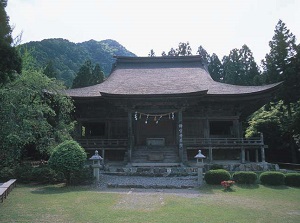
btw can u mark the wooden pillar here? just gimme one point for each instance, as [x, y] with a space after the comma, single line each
[103, 156]
[262, 148]
[236, 128]
[180, 136]
[130, 135]
[256, 155]
[248, 156]
[262, 152]
[241, 133]
[243, 155]
[206, 128]
[108, 129]
[210, 155]
[206, 135]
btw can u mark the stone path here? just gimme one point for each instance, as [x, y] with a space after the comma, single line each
[114, 181]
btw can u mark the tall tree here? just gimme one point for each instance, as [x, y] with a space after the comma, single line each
[83, 76]
[282, 48]
[32, 118]
[163, 54]
[151, 53]
[282, 64]
[232, 67]
[49, 70]
[205, 56]
[97, 75]
[249, 68]
[293, 80]
[172, 52]
[5, 29]
[240, 67]
[87, 75]
[184, 49]
[10, 61]
[215, 68]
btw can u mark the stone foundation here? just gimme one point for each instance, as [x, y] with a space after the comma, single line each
[256, 167]
[187, 171]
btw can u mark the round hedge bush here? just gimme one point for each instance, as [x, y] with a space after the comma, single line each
[216, 176]
[272, 178]
[292, 179]
[245, 177]
[68, 157]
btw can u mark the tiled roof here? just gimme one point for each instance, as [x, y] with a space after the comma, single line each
[142, 76]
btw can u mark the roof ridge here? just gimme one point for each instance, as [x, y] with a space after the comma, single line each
[159, 59]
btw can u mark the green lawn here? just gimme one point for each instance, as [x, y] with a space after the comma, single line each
[209, 204]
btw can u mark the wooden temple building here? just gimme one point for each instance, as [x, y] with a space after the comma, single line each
[159, 111]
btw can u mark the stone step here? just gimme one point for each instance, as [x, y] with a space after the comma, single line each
[143, 169]
[149, 164]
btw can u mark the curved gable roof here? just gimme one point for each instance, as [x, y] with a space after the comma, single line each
[145, 76]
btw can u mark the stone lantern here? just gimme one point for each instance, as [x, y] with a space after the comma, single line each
[96, 164]
[200, 165]
[200, 157]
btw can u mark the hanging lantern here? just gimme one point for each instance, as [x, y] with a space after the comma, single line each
[147, 119]
[135, 116]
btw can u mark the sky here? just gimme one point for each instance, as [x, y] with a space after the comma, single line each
[141, 25]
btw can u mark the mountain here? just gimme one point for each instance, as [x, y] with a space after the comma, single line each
[67, 57]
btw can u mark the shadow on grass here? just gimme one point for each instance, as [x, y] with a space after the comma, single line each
[228, 190]
[248, 186]
[208, 189]
[280, 187]
[57, 189]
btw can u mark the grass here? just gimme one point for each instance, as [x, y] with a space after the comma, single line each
[56, 203]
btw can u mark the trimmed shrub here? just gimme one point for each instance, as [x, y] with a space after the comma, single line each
[69, 158]
[292, 179]
[216, 167]
[216, 176]
[23, 173]
[245, 177]
[44, 174]
[272, 178]
[83, 177]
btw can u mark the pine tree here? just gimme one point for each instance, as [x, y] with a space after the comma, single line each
[232, 68]
[240, 67]
[249, 69]
[88, 76]
[205, 56]
[10, 61]
[183, 49]
[83, 76]
[281, 64]
[5, 29]
[163, 54]
[151, 53]
[172, 53]
[215, 68]
[282, 49]
[97, 75]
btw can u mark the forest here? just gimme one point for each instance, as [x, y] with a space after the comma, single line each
[34, 120]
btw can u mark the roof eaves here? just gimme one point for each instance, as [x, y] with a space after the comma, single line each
[176, 95]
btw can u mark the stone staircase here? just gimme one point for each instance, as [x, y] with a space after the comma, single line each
[155, 156]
